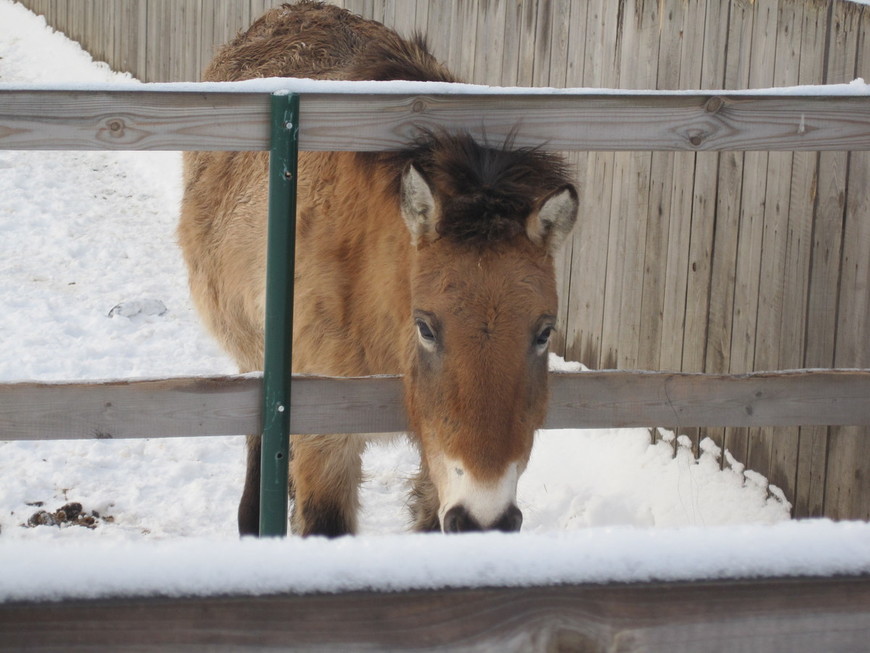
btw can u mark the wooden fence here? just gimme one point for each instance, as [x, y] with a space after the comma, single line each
[791, 615]
[694, 261]
[796, 614]
[167, 119]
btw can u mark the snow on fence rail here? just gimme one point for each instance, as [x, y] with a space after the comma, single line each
[376, 116]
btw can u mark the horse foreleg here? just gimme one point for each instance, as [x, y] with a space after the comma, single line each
[249, 505]
[326, 471]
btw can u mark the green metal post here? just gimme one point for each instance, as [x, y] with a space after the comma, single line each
[281, 255]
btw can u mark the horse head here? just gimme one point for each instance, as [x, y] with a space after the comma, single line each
[485, 224]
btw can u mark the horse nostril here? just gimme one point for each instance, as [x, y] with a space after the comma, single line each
[511, 521]
[458, 520]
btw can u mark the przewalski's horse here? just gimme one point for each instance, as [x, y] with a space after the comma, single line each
[435, 262]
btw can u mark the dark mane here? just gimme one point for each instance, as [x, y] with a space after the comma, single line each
[485, 193]
[395, 58]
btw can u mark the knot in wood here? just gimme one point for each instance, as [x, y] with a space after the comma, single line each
[696, 139]
[116, 126]
[418, 106]
[714, 104]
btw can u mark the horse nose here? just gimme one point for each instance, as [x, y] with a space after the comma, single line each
[511, 521]
[459, 520]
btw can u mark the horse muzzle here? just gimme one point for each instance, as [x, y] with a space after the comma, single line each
[459, 520]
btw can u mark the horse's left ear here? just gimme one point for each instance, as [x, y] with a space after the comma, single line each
[418, 205]
[554, 220]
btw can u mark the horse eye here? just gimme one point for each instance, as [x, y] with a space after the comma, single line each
[544, 337]
[425, 331]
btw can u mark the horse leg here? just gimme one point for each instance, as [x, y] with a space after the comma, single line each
[249, 506]
[424, 502]
[327, 471]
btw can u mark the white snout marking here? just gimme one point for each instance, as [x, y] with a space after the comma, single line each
[486, 502]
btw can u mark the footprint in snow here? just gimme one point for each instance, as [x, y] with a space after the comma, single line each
[139, 307]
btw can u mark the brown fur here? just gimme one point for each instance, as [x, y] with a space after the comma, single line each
[485, 273]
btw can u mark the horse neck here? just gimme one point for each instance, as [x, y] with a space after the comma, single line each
[354, 250]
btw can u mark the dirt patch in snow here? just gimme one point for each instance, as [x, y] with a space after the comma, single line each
[70, 514]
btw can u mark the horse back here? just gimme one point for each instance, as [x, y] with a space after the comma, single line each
[321, 41]
[351, 242]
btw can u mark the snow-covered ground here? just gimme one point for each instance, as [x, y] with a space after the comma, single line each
[82, 233]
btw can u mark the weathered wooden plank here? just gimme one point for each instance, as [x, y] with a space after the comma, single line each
[768, 615]
[693, 219]
[130, 409]
[422, 18]
[461, 41]
[208, 47]
[824, 280]
[827, 495]
[130, 46]
[781, 470]
[438, 28]
[751, 221]
[181, 120]
[687, 400]
[629, 200]
[811, 445]
[185, 45]
[565, 69]
[194, 406]
[656, 256]
[400, 15]
[631, 211]
[599, 68]
[230, 405]
[490, 34]
[708, 73]
[728, 201]
[155, 34]
[847, 491]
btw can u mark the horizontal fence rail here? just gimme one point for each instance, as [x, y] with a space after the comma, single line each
[796, 615]
[230, 405]
[214, 120]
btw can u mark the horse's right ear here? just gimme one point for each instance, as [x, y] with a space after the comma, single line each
[418, 205]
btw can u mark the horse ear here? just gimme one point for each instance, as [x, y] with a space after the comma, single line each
[418, 205]
[554, 220]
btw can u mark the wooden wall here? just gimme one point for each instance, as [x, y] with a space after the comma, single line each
[713, 262]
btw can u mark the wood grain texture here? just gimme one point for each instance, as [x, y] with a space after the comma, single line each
[230, 405]
[188, 120]
[768, 615]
